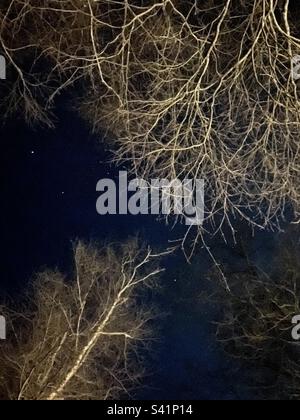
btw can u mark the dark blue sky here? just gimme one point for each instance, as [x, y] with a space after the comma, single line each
[48, 200]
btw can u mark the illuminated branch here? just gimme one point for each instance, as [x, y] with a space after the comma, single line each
[83, 338]
[188, 89]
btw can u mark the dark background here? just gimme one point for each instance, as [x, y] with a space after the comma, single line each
[49, 199]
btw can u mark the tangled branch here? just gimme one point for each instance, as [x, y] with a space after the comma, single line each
[189, 90]
[256, 325]
[81, 339]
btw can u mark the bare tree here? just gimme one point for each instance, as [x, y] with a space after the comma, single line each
[256, 325]
[81, 338]
[189, 89]
[207, 92]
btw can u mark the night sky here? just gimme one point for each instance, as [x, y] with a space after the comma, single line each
[48, 200]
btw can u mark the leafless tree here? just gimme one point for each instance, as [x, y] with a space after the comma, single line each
[81, 338]
[189, 89]
[256, 325]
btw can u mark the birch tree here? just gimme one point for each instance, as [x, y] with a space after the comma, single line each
[82, 337]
